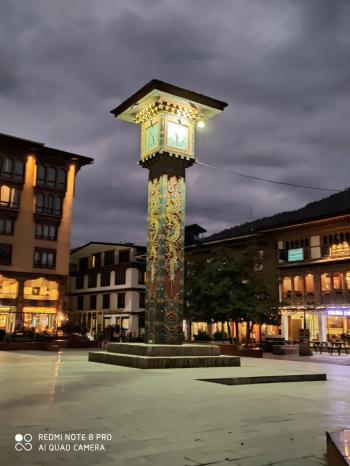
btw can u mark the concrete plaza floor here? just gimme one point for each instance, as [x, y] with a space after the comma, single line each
[167, 417]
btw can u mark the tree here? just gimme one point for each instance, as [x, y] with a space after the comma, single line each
[229, 287]
[214, 289]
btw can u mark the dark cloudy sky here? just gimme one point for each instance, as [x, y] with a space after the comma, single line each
[283, 66]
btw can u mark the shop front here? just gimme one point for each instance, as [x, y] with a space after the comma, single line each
[338, 321]
[7, 318]
[41, 319]
[323, 323]
[259, 332]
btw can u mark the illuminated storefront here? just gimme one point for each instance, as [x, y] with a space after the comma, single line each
[258, 332]
[338, 321]
[40, 318]
[324, 323]
[7, 317]
[39, 308]
[8, 296]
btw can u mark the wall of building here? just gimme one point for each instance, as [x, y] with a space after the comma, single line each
[40, 286]
[103, 317]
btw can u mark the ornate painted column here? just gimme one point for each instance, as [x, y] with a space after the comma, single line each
[165, 253]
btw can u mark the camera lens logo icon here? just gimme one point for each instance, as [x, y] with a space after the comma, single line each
[23, 442]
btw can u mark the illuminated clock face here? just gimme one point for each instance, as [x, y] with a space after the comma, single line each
[177, 136]
[152, 135]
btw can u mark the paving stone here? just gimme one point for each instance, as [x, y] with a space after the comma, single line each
[164, 417]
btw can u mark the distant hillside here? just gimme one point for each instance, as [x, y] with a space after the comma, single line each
[334, 205]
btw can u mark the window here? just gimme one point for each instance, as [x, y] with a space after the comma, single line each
[45, 258]
[5, 254]
[142, 300]
[121, 300]
[83, 263]
[96, 260]
[41, 289]
[51, 177]
[19, 170]
[46, 231]
[8, 288]
[105, 301]
[105, 278]
[7, 167]
[79, 282]
[338, 282]
[296, 243]
[109, 257]
[309, 285]
[48, 204]
[142, 277]
[347, 278]
[39, 202]
[287, 287]
[120, 276]
[9, 197]
[92, 282]
[41, 175]
[6, 226]
[13, 169]
[80, 303]
[298, 286]
[57, 205]
[124, 256]
[93, 300]
[61, 178]
[326, 283]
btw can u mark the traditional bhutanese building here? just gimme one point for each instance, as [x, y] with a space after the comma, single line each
[36, 201]
[107, 287]
[308, 253]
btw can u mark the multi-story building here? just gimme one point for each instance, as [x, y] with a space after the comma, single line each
[314, 269]
[307, 255]
[36, 200]
[107, 286]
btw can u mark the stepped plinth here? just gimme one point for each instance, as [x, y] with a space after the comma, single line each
[148, 356]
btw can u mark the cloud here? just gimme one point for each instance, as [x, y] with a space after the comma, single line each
[282, 66]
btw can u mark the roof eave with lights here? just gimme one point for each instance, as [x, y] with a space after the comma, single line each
[154, 90]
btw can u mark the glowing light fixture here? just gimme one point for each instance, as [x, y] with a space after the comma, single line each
[201, 124]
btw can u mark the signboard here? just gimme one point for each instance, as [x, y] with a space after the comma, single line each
[40, 310]
[5, 309]
[342, 311]
[295, 255]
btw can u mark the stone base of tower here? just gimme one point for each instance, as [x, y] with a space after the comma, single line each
[147, 356]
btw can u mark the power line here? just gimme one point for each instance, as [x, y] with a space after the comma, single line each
[256, 178]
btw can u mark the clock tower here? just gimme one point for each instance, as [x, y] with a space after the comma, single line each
[168, 116]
